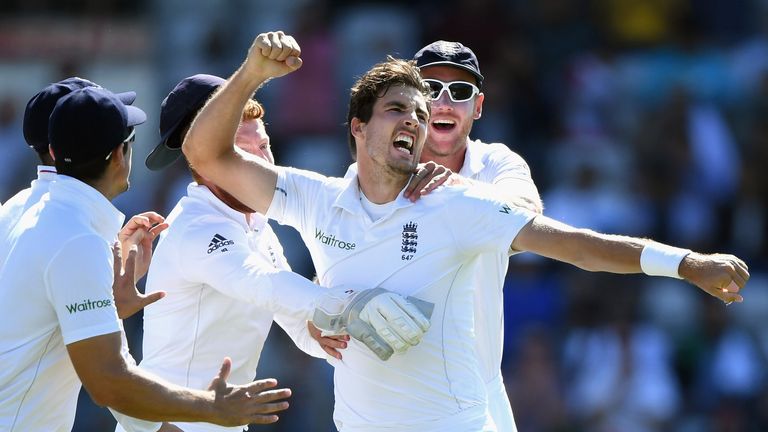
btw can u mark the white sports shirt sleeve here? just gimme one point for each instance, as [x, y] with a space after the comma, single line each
[495, 164]
[232, 268]
[83, 298]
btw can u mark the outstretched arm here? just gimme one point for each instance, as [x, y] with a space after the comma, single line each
[720, 275]
[113, 382]
[209, 144]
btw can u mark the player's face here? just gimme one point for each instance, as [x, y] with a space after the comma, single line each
[394, 136]
[450, 122]
[252, 137]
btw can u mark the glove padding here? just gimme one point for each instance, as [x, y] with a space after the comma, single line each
[384, 321]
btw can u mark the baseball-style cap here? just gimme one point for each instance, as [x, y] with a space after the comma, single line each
[176, 112]
[41, 105]
[89, 123]
[449, 54]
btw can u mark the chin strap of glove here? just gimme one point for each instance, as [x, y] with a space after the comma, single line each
[384, 321]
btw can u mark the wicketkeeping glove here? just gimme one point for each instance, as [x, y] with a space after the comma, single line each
[384, 321]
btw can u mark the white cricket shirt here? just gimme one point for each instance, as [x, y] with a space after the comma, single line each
[56, 285]
[493, 163]
[11, 211]
[220, 300]
[422, 249]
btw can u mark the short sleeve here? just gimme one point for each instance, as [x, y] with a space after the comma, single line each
[484, 223]
[79, 282]
[296, 198]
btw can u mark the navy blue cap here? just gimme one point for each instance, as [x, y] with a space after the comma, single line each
[449, 54]
[89, 123]
[41, 105]
[176, 111]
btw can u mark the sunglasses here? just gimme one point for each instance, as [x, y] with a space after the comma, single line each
[458, 91]
[128, 140]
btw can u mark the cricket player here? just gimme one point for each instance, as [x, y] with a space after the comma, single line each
[61, 326]
[35, 129]
[420, 248]
[224, 269]
[453, 74]
[36, 115]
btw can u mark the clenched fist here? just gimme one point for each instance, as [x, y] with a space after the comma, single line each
[272, 55]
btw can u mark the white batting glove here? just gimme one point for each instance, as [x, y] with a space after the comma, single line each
[384, 321]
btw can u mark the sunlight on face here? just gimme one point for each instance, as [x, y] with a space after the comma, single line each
[400, 113]
[251, 136]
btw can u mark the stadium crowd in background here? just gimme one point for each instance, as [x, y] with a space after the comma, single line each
[644, 118]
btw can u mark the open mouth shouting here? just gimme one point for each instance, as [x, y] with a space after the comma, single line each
[442, 125]
[404, 143]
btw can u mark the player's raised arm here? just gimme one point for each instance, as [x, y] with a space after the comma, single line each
[209, 143]
[720, 275]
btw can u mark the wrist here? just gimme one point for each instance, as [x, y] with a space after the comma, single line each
[659, 259]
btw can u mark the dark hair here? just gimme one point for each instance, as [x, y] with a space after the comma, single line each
[375, 83]
[89, 171]
[45, 157]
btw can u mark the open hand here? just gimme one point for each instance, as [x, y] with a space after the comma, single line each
[426, 178]
[243, 404]
[128, 299]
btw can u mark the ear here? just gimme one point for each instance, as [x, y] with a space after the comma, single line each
[117, 154]
[478, 106]
[357, 128]
[50, 152]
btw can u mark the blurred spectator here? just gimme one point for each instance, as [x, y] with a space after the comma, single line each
[18, 161]
[726, 369]
[619, 373]
[534, 384]
[643, 117]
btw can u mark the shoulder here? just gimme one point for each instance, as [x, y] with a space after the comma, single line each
[198, 228]
[315, 182]
[84, 247]
[500, 152]
[16, 202]
[447, 197]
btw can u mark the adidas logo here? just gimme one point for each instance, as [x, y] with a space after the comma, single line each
[218, 241]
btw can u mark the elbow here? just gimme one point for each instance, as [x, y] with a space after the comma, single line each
[103, 395]
[105, 389]
[537, 206]
[192, 151]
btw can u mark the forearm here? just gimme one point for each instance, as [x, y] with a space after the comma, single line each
[583, 248]
[211, 151]
[212, 133]
[137, 393]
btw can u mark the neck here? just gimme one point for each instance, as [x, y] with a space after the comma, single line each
[104, 186]
[380, 185]
[228, 199]
[453, 161]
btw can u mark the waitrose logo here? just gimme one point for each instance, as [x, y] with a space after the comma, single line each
[332, 241]
[87, 305]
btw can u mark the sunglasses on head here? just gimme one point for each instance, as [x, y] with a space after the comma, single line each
[458, 91]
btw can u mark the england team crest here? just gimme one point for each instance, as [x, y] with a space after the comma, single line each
[410, 241]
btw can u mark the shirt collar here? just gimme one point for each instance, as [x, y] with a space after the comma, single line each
[46, 173]
[473, 159]
[104, 217]
[349, 198]
[202, 192]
